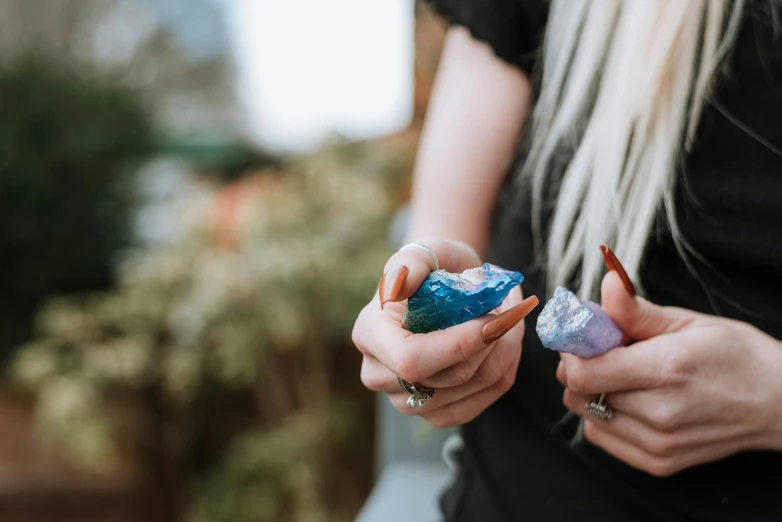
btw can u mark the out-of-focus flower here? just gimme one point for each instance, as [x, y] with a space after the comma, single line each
[255, 300]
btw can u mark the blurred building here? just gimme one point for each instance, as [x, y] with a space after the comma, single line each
[287, 75]
[178, 51]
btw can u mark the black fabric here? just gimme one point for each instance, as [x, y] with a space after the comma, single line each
[516, 465]
[512, 28]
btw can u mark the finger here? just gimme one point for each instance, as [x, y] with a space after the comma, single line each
[669, 439]
[458, 374]
[625, 437]
[415, 357]
[651, 408]
[484, 378]
[621, 425]
[561, 373]
[461, 373]
[664, 409]
[491, 364]
[376, 377]
[629, 453]
[638, 318]
[668, 453]
[499, 326]
[614, 265]
[466, 409]
[631, 429]
[644, 365]
[406, 270]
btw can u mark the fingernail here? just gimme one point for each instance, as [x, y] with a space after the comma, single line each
[613, 263]
[501, 324]
[391, 284]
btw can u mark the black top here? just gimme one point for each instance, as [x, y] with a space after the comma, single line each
[514, 465]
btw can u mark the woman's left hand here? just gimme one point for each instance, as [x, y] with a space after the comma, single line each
[694, 389]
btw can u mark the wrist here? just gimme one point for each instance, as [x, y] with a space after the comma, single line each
[772, 362]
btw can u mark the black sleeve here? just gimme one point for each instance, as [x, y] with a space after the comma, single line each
[513, 28]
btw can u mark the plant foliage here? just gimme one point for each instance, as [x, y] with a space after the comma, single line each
[68, 146]
[236, 340]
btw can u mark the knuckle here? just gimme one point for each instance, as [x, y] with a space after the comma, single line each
[397, 258]
[357, 336]
[461, 349]
[407, 367]
[665, 417]
[491, 371]
[506, 382]
[362, 333]
[414, 256]
[645, 318]
[569, 402]
[578, 380]
[371, 380]
[659, 467]
[660, 446]
[461, 374]
[679, 366]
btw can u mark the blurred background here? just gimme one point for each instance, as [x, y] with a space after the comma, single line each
[196, 199]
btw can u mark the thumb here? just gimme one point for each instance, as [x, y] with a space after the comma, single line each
[407, 269]
[638, 318]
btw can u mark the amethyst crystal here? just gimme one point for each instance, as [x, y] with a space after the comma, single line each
[445, 299]
[568, 324]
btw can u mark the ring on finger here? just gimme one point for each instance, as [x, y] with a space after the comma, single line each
[419, 395]
[427, 250]
[599, 409]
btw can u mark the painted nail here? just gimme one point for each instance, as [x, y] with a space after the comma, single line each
[391, 284]
[612, 263]
[501, 324]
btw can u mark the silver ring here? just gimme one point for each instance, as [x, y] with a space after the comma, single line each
[427, 250]
[598, 408]
[419, 395]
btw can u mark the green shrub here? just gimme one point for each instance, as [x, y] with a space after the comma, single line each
[235, 343]
[67, 148]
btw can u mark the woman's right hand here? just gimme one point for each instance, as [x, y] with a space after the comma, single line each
[470, 365]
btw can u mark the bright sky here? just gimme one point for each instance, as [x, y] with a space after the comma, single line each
[310, 68]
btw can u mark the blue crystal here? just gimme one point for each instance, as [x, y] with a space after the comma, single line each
[569, 325]
[445, 299]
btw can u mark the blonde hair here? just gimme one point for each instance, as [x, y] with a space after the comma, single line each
[622, 89]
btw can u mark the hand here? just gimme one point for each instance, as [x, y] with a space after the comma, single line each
[695, 389]
[470, 365]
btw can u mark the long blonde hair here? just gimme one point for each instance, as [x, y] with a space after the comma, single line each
[622, 89]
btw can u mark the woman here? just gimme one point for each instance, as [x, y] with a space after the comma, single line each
[656, 129]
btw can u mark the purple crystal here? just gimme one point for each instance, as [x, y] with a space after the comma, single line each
[445, 299]
[569, 325]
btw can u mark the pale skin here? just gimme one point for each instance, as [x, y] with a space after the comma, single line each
[694, 388]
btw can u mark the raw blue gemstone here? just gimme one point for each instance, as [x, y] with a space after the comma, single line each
[445, 299]
[568, 324]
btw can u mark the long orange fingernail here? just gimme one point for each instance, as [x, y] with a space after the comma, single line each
[612, 263]
[391, 284]
[501, 324]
